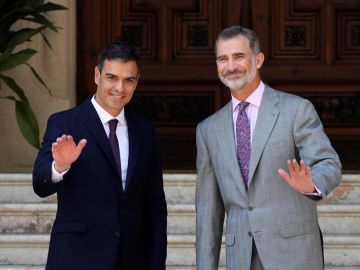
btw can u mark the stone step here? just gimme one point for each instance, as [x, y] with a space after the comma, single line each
[179, 188]
[17, 188]
[39, 217]
[347, 192]
[22, 249]
[223, 268]
[333, 218]
[27, 217]
[339, 218]
[175, 267]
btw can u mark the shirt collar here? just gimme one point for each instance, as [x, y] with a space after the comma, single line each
[105, 116]
[253, 99]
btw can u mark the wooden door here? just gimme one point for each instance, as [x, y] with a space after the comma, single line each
[312, 48]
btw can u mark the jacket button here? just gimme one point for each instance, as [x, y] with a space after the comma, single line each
[251, 208]
[117, 235]
[250, 234]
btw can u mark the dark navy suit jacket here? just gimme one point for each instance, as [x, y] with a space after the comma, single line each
[97, 223]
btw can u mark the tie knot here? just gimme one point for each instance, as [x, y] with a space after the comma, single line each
[113, 124]
[243, 105]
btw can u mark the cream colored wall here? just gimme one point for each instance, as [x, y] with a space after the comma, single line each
[57, 68]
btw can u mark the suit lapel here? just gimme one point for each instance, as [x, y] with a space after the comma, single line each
[96, 129]
[266, 119]
[225, 134]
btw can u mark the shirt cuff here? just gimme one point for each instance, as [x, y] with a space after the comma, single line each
[317, 193]
[56, 177]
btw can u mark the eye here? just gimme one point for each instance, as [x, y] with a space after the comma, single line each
[221, 59]
[110, 77]
[130, 81]
[239, 56]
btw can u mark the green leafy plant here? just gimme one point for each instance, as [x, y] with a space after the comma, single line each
[33, 11]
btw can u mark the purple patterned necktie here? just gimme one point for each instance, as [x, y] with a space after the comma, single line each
[114, 143]
[243, 140]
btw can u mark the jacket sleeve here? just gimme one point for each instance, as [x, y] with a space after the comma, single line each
[42, 183]
[209, 209]
[315, 148]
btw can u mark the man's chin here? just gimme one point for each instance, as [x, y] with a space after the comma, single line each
[234, 84]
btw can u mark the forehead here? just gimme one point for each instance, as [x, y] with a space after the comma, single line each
[237, 44]
[120, 68]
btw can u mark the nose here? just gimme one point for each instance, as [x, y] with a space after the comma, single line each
[119, 87]
[231, 65]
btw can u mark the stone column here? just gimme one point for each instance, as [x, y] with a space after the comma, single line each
[57, 68]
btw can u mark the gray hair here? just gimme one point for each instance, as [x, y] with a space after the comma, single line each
[236, 30]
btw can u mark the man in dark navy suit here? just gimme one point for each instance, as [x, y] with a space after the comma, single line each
[103, 163]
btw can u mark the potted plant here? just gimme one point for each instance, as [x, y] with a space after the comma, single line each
[11, 12]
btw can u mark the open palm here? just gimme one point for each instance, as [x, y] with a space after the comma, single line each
[65, 151]
[300, 177]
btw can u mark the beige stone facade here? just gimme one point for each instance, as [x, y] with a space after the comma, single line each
[57, 68]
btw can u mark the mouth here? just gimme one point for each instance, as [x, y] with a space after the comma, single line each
[233, 76]
[117, 95]
[117, 98]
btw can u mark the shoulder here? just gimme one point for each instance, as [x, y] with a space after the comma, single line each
[216, 117]
[286, 100]
[136, 119]
[72, 113]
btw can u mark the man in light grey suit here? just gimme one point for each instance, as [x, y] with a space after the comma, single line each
[265, 165]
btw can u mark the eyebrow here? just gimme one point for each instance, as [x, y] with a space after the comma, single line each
[221, 56]
[113, 75]
[239, 53]
[109, 74]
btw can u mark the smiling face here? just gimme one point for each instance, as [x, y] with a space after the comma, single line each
[237, 65]
[116, 83]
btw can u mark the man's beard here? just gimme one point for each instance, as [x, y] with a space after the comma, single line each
[240, 83]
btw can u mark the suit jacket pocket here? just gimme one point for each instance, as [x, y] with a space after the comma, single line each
[229, 239]
[68, 227]
[296, 229]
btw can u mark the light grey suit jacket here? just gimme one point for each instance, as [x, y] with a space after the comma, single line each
[282, 221]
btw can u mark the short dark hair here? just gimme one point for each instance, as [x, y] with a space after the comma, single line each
[118, 50]
[236, 30]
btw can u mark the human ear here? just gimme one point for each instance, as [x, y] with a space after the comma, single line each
[96, 75]
[260, 57]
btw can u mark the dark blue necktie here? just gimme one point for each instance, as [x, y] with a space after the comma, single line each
[115, 143]
[243, 140]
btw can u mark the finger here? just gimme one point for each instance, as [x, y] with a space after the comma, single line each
[54, 145]
[303, 166]
[284, 175]
[69, 138]
[290, 167]
[61, 139]
[308, 170]
[80, 146]
[296, 165]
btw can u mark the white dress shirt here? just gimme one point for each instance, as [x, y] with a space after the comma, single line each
[121, 133]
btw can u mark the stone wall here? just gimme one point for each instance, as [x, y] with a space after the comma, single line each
[57, 67]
